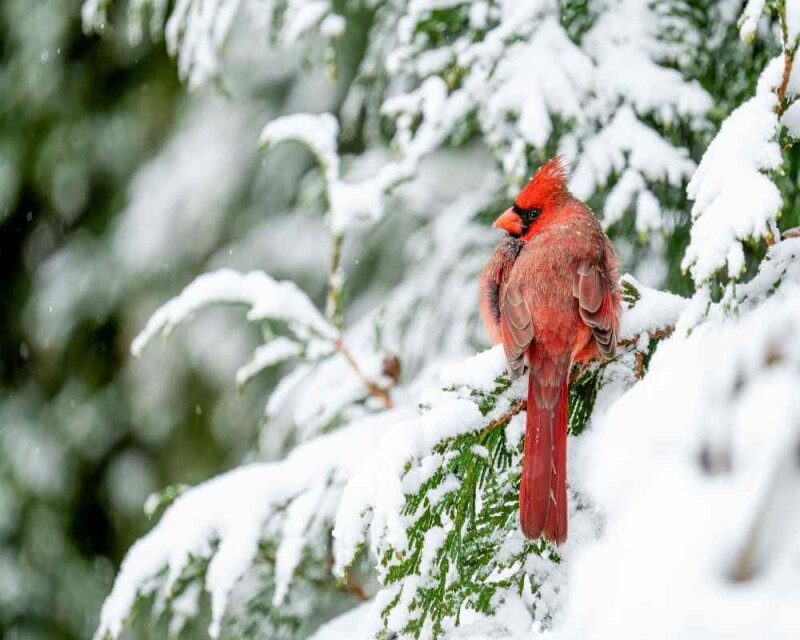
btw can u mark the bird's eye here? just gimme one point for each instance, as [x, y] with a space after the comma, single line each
[527, 215]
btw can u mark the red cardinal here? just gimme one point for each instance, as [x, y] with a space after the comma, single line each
[551, 295]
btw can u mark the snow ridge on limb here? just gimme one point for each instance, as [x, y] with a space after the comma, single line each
[721, 428]
[356, 202]
[734, 199]
[196, 31]
[267, 298]
[221, 524]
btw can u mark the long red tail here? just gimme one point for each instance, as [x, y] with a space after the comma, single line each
[543, 487]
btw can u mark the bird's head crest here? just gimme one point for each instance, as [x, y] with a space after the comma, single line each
[547, 186]
[543, 194]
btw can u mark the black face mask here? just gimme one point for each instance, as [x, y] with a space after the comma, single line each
[528, 217]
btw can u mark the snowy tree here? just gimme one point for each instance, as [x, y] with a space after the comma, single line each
[388, 464]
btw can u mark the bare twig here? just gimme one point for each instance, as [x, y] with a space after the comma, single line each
[657, 335]
[374, 389]
[334, 310]
[350, 584]
[354, 588]
[517, 407]
[788, 61]
[639, 365]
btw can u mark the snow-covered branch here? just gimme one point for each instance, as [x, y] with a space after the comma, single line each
[223, 522]
[268, 299]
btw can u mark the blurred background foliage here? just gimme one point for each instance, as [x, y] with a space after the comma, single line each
[86, 434]
[77, 116]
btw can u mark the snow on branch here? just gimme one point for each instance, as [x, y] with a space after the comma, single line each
[639, 155]
[336, 378]
[781, 264]
[316, 131]
[514, 75]
[196, 31]
[223, 521]
[734, 199]
[352, 203]
[374, 497]
[384, 476]
[268, 355]
[647, 310]
[714, 422]
[349, 202]
[447, 481]
[94, 15]
[267, 298]
[195, 34]
[627, 41]
[748, 21]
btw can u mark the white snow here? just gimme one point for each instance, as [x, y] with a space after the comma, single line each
[195, 34]
[686, 491]
[333, 26]
[267, 299]
[750, 18]
[792, 21]
[654, 310]
[360, 623]
[268, 355]
[622, 196]
[316, 131]
[94, 15]
[734, 200]
[197, 31]
[478, 372]
[301, 17]
[350, 202]
[625, 140]
[223, 520]
[374, 497]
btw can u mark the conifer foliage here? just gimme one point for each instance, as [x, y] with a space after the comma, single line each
[388, 469]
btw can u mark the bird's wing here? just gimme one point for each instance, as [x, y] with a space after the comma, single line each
[490, 305]
[492, 281]
[596, 304]
[516, 325]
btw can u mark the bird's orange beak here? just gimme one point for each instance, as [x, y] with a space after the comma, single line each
[509, 221]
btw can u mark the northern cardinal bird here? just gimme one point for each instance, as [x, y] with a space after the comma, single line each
[551, 295]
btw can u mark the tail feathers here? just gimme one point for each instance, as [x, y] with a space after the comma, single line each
[543, 486]
[555, 524]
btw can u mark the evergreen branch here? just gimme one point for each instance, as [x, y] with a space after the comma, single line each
[518, 406]
[334, 306]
